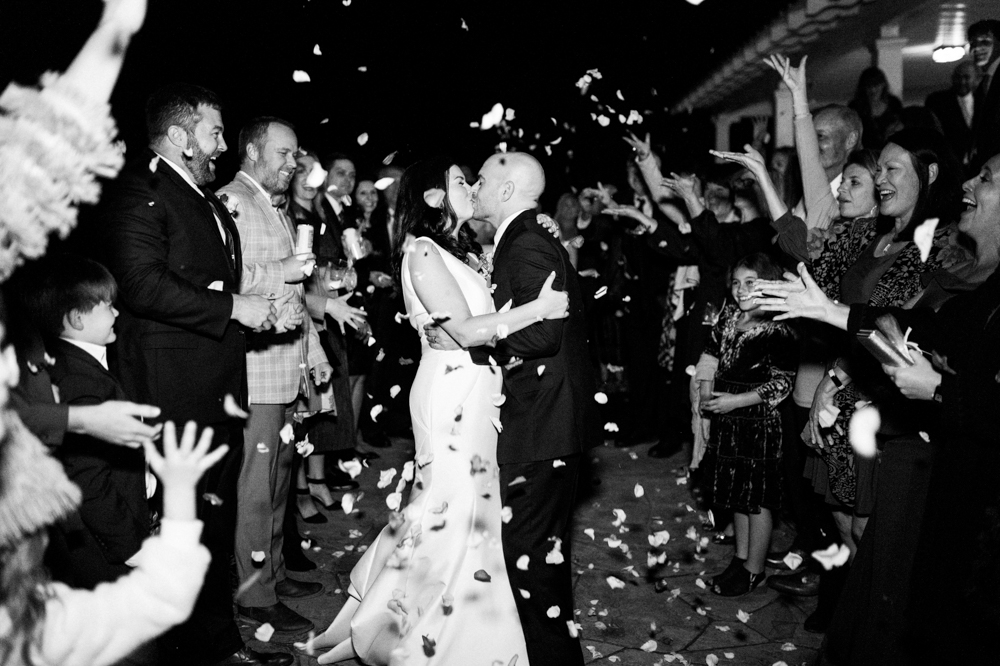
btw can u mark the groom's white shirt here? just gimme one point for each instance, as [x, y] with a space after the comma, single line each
[503, 227]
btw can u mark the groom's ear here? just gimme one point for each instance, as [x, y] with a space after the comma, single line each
[507, 190]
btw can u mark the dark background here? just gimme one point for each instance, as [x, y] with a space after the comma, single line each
[426, 77]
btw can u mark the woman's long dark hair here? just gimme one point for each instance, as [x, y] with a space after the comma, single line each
[417, 219]
[942, 198]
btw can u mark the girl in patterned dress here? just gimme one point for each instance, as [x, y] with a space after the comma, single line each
[755, 360]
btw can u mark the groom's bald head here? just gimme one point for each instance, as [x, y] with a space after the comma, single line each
[508, 182]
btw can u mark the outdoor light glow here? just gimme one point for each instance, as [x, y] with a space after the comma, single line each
[695, 2]
[948, 53]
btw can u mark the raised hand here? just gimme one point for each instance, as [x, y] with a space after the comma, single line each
[124, 15]
[793, 77]
[180, 467]
[796, 296]
[554, 304]
[751, 159]
[342, 313]
[643, 149]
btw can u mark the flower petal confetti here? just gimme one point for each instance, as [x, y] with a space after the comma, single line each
[648, 646]
[493, 117]
[287, 433]
[212, 499]
[522, 563]
[506, 514]
[257, 555]
[233, 409]
[553, 612]
[711, 660]
[864, 423]
[788, 647]
[615, 583]
[833, 556]
[482, 576]
[317, 175]
[393, 500]
[611, 426]
[383, 183]
[264, 632]
[498, 426]
[558, 463]
[263, 448]
[923, 237]
[394, 390]
[742, 616]
[347, 503]
[385, 477]
[434, 198]
[638, 490]
[555, 555]
[376, 410]
[300, 76]
[352, 467]
[792, 560]
[601, 398]
[603, 120]
[363, 138]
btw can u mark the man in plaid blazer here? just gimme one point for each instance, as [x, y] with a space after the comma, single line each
[277, 363]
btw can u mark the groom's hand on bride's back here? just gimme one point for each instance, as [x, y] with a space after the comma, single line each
[438, 339]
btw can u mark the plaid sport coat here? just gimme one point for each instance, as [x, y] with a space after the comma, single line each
[277, 363]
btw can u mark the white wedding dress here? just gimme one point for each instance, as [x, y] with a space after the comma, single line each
[433, 586]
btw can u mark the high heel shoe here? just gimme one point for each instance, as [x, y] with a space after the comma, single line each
[734, 566]
[320, 493]
[315, 519]
[741, 582]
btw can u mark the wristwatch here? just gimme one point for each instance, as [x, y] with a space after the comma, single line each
[832, 374]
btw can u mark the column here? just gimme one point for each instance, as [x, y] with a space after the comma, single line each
[889, 57]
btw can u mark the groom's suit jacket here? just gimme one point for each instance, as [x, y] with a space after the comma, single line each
[549, 409]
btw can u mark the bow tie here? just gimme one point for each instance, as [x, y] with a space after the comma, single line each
[278, 200]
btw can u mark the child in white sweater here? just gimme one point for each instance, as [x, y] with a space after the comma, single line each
[45, 623]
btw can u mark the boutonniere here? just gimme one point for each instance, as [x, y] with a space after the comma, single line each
[231, 203]
[486, 266]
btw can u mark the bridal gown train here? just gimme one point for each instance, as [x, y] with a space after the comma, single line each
[433, 585]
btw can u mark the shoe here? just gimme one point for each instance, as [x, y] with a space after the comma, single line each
[296, 560]
[739, 583]
[818, 622]
[377, 439]
[248, 656]
[800, 584]
[279, 616]
[735, 565]
[662, 450]
[321, 493]
[315, 519]
[298, 589]
[338, 480]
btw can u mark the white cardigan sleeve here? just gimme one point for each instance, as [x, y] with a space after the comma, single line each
[99, 627]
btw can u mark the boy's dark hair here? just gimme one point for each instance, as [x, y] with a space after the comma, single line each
[64, 283]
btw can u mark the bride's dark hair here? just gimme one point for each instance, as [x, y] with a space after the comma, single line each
[417, 219]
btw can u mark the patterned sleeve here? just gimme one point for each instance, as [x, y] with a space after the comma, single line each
[783, 360]
[714, 345]
[839, 255]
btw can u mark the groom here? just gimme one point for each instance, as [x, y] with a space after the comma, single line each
[548, 389]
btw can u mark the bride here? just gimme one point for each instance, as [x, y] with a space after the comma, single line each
[433, 585]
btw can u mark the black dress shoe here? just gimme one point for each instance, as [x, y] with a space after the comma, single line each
[281, 617]
[298, 589]
[801, 584]
[248, 656]
[339, 480]
[296, 560]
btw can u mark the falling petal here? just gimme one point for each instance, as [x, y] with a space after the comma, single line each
[363, 138]
[923, 237]
[482, 576]
[492, 118]
[833, 556]
[540, 370]
[601, 292]
[317, 175]
[287, 433]
[603, 120]
[393, 500]
[611, 427]
[589, 532]
[264, 632]
[262, 448]
[434, 197]
[497, 425]
[352, 467]
[516, 481]
[864, 424]
[522, 563]
[212, 499]
[558, 463]
[615, 583]
[506, 514]
[300, 77]
[376, 410]
[465, 26]
[317, 50]
[233, 409]
[555, 555]
[601, 398]
[153, 163]
[362, 69]
[638, 490]
[347, 503]
[553, 612]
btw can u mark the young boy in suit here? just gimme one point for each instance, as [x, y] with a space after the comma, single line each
[72, 305]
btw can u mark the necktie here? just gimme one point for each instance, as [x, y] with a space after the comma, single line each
[228, 236]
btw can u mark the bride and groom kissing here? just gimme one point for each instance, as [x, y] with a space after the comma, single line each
[476, 568]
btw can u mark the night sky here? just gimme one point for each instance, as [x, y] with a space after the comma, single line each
[427, 78]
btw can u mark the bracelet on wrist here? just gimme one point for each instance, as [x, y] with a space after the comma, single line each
[832, 374]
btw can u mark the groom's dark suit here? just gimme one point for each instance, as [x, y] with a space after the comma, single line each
[546, 417]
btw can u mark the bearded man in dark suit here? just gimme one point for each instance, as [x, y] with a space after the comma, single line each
[175, 251]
